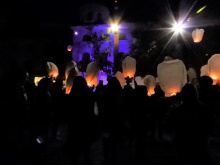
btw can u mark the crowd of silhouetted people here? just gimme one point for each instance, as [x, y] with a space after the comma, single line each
[31, 116]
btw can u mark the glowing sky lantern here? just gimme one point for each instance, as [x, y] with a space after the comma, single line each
[214, 68]
[71, 71]
[191, 74]
[120, 77]
[52, 70]
[69, 66]
[150, 83]
[204, 70]
[197, 35]
[172, 75]
[129, 67]
[92, 72]
[69, 48]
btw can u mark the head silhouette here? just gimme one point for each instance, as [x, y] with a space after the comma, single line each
[189, 93]
[79, 85]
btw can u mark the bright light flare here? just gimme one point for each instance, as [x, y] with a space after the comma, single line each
[114, 27]
[178, 27]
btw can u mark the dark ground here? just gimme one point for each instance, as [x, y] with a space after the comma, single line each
[157, 152]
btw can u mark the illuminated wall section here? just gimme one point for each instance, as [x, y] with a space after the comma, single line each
[80, 47]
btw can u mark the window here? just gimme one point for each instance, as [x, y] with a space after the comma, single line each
[87, 38]
[99, 17]
[122, 36]
[90, 16]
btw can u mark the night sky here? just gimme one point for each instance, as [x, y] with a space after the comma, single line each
[66, 11]
[27, 15]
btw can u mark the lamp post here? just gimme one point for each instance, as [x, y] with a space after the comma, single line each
[115, 30]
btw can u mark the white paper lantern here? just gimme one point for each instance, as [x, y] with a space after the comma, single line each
[197, 35]
[120, 77]
[214, 68]
[37, 79]
[129, 67]
[139, 80]
[172, 76]
[191, 74]
[92, 72]
[69, 66]
[150, 83]
[72, 73]
[52, 70]
[204, 70]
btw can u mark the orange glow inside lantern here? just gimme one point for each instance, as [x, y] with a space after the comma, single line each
[129, 74]
[214, 78]
[150, 91]
[197, 35]
[171, 92]
[53, 73]
[68, 89]
[92, 80]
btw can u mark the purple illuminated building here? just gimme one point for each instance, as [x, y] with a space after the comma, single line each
[98, 17]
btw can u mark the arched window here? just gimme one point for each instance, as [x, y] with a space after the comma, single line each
[90, 16]
[99, 17]
[87, 38]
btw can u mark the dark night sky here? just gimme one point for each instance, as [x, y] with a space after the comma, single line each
[65, 11]
[26, 15]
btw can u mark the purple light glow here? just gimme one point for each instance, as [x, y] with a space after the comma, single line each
[80, 47]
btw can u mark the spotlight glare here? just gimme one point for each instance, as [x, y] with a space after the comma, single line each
[178, 28]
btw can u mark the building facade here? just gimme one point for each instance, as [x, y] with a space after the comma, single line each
[96, 19]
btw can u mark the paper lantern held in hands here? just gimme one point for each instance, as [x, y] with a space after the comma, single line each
[120, 78]
[214, 68]
[52, 70]
[172, 76]
[129, 67]
[150, 83]
[92, 73]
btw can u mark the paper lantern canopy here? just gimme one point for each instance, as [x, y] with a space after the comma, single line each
[213, 68]
[191, 74]
[150, 83]
[204, 70]
[120, 78]
[92, 73]
[129, 67]
[197, 35]
[72, 73]
[69, 66]
[172, 76]
[52, 70]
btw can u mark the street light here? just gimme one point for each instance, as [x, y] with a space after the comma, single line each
[115, 30]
